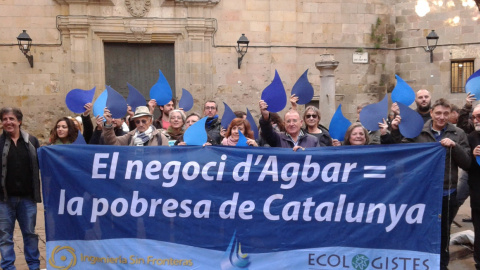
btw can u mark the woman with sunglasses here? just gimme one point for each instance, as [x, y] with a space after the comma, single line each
[145, 134]
[311, 117]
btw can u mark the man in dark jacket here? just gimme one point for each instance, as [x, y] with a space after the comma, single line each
[423, 100]
[20, 189]
[455, 140]
[293, 137]
[213, 124]
[474, 183]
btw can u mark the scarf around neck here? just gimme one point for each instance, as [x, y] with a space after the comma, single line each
[140, 138]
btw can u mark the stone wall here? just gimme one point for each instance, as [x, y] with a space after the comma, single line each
[456, 24]
[285, 35]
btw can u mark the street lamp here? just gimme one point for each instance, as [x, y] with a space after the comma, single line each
[24, 43]
[432, 40]
[242, 48]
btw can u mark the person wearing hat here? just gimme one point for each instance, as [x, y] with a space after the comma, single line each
[145, 134]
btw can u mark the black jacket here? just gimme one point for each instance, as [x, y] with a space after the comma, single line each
[32, 146]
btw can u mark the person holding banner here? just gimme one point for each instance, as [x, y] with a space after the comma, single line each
[145, 134]
[64, 132]
[455, 140]
[293, 137]
[232, 135]
[474, 184]
[20, 189]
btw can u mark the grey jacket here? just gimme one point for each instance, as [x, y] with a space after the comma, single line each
[32, 146]
[458, 156]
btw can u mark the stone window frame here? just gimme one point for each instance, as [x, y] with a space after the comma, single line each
[460, 71]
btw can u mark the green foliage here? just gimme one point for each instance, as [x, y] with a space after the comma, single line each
[377, 38]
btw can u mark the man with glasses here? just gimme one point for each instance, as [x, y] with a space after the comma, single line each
[458, 155]
[474, 183]
[293, 137]
[145, 134]
[213, 124]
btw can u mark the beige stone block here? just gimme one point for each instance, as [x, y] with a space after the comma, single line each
[323, 18]
[365, 8]
[284, 5]
[254, 16]
[259, 26]
[235, 5]
[304, 17]
[310, 7]
[349, 8]
[371, 18]
[229, 15]
[262, 5]
[349, 29]
[330, 8]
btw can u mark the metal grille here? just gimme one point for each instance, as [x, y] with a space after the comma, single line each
[138, 64]
[461, 71]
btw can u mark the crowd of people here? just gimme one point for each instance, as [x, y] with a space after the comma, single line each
[443, 123]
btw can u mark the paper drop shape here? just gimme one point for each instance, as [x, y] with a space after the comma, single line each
[242, 140]
[473, 84]
[338, 125]
[274, 95]
[253, 125]
[196, 133]
[478, 160]
[80, 139]
[135, 98]
[116, 103]
[373, 114]
[303, 89]
[161, 91]
[186, 102]
[77, 98]
[403, 93]
[412, 122]
[100, 104]
[227, 117]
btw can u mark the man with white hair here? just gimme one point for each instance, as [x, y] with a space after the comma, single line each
[474, 184]
[293, 137]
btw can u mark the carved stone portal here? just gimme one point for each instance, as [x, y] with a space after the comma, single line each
[138, 8]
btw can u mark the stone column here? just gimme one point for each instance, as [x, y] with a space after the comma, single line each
[327, 66]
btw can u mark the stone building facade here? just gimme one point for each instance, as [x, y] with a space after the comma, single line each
[289, 36]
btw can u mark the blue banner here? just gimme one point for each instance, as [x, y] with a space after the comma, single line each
[367, 207]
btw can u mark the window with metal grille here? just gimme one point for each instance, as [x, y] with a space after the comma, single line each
[461, 71]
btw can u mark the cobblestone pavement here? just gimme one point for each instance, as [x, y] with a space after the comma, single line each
[461, 255]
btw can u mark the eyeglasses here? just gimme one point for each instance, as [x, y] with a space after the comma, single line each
[143, 121]
[314, 116]
[210, 108]
[477, 117]
[176, 117]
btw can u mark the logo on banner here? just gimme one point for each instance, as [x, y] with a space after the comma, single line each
[233, 257]
[360, 262]
[63, 252]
